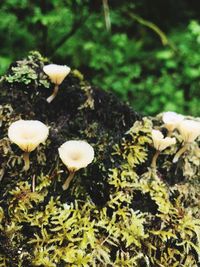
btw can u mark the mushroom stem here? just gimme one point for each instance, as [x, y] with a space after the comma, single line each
[169, 134]
[180, 152]
[26, 161]
[53, 95]
[154, 160]
[68, 180]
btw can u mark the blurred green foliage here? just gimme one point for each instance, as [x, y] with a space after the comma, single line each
[152, 69]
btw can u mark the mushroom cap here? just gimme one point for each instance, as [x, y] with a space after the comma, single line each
[172, 119]
[189, 130]
[56, 73]
[28, 134]
[159, 142]
[76, 154]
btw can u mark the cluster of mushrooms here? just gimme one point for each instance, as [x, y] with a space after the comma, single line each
[28, 134]
[77, 154]
[189, 130]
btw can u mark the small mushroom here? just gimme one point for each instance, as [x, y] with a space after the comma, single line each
[75, 155]
[160, 143]
[27, 134]
[189, 131]
[57, 74]
[171, 120]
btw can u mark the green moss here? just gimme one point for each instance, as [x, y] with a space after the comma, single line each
[147, 217]
[27, 71]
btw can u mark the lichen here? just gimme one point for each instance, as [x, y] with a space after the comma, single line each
[117, 212]
[27, 71]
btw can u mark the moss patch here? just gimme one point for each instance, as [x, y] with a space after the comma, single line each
[118, 211]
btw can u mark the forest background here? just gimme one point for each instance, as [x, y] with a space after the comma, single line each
[146, 52]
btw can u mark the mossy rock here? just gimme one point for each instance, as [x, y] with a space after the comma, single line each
[118, 211]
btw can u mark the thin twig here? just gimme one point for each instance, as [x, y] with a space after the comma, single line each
[33, 183]
[154, 27]
[107, 14]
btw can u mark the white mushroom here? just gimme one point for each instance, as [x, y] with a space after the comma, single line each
[189, 131]
[172, 120]
[57, 74]
[75, 155]
[160, 143]
[27, 134]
